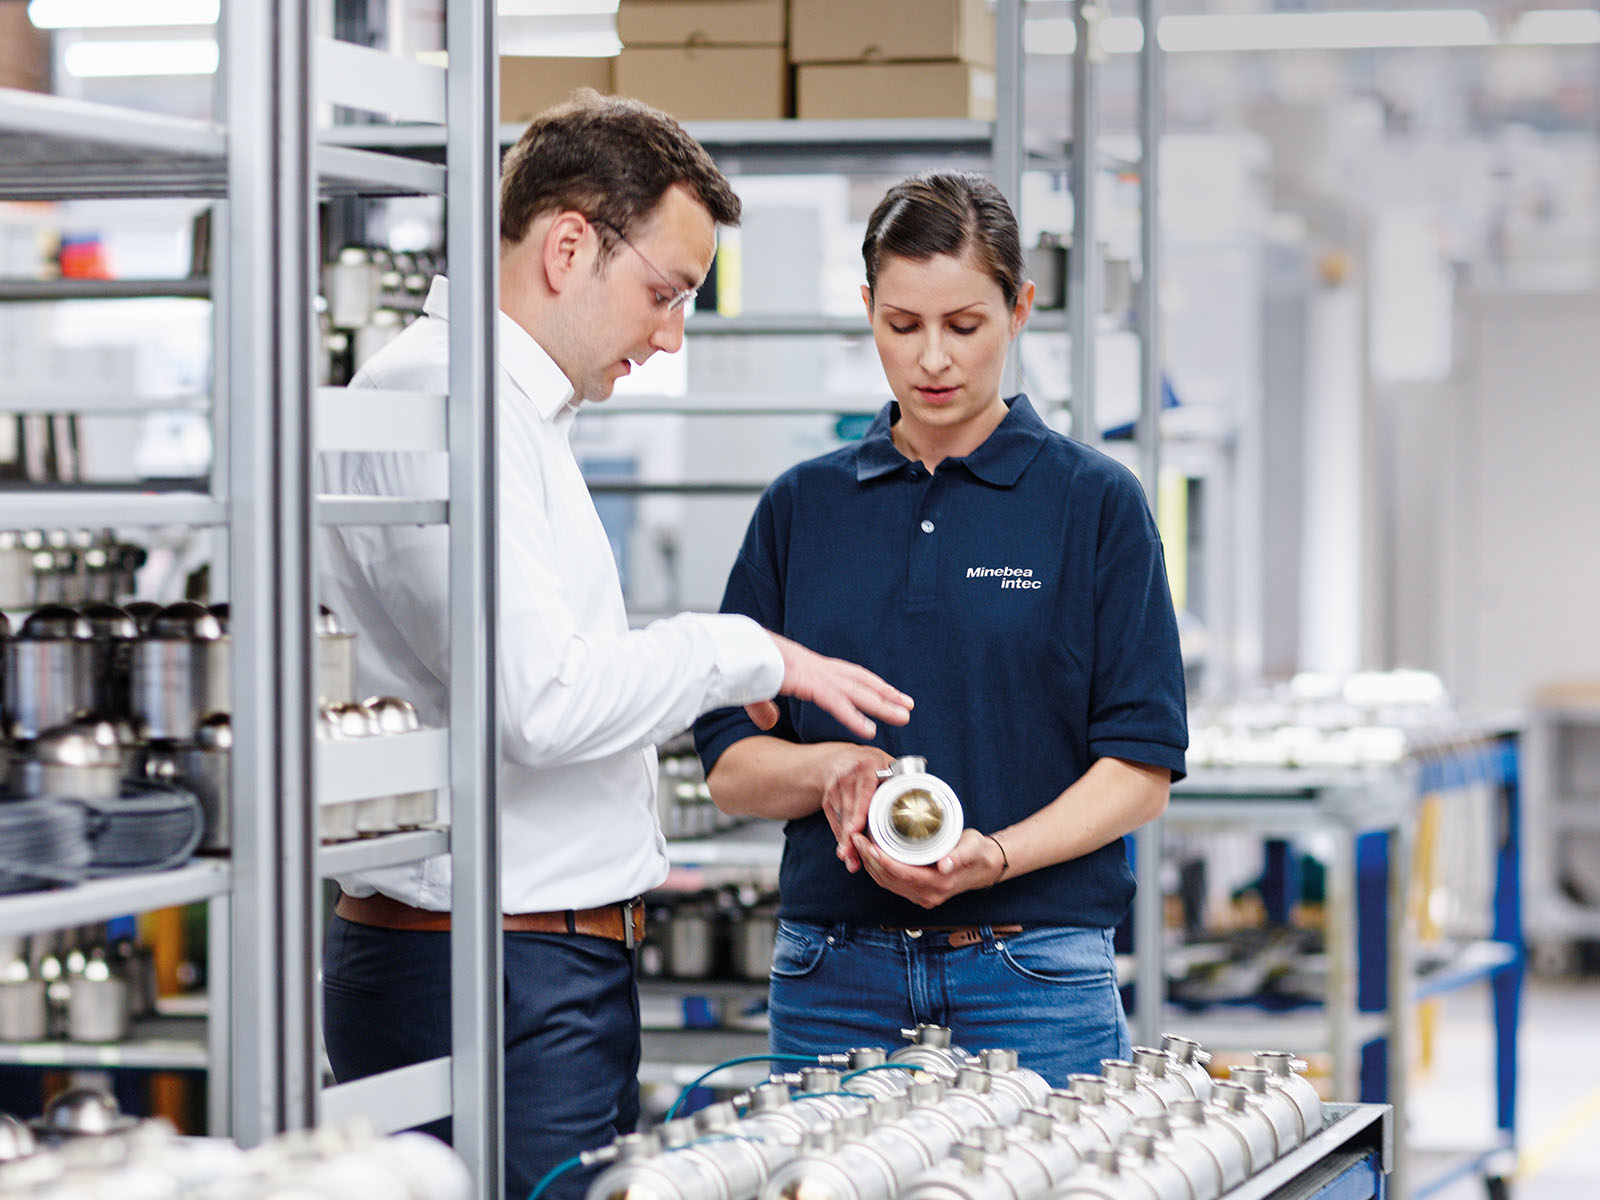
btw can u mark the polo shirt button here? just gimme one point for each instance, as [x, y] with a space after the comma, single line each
[927, 527]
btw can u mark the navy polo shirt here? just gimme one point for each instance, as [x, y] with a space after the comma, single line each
[1019, 594]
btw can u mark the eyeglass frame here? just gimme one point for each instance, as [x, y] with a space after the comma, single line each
[677, 297]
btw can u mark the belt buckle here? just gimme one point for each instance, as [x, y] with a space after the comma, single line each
[628, 908]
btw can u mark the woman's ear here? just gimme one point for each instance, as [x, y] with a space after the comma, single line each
[565, 249]
[866, 298]
[1023, 308]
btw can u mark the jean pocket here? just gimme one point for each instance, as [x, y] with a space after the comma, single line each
[798, 949]
[1064, 956]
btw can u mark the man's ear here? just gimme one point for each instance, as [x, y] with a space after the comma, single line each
[567, 249]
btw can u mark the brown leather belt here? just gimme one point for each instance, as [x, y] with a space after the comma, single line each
[616, 922]
[953, 935]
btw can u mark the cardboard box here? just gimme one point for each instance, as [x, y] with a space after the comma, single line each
[891, 31]
[835, 91]
[707, 83]
[702, 22]
[528, 86]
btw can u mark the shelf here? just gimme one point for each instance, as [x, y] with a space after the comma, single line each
[28, 290]
[389, 850]
[100, 404]
[1303, 1030]
[756, 845]
[159, 1043]
[1358, 1130]
[370, 419]
[657, 987]
[678, 1056]
[387, 765]
[1476, 963]
[102, 899]
[58, 149]
[380, 510]
[87, 508]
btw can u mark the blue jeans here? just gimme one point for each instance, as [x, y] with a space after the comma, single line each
[571, 1033]
[1050, 994]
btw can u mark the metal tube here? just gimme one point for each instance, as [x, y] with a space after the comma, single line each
[472, 247]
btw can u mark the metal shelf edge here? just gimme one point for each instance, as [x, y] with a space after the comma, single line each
[102, 899]
[389, 850]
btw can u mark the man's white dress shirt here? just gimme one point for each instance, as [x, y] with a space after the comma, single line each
[583, 699]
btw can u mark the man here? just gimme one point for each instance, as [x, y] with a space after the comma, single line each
[608, 225]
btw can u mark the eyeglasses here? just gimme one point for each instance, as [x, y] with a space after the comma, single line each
[675, 297]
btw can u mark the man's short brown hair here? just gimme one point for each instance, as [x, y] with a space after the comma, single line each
[610, 158]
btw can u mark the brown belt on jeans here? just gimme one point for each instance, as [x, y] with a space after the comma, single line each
[616, 922]
[954, 935]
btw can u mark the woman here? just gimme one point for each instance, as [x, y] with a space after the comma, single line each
[1012, 581]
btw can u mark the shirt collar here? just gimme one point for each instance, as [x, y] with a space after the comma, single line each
[534, 372]
[1002, 458]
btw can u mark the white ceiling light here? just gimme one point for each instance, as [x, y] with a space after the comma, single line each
[104, 60]
[1326, 31]
[1557, 27]
[99, 14]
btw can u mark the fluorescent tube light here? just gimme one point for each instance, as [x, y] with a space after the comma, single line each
[100, 14]
[1556, 27]
[1326, 31]
[104, 60]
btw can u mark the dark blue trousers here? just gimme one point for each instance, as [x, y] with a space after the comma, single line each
[571, 1034]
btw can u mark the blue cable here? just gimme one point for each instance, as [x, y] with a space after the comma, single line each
[811, 1059]
[551, 1175]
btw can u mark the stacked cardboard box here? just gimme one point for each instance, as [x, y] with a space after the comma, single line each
[531, 85]
[705, 59]
[892, 58]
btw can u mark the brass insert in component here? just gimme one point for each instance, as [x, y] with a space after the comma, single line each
[914, 817]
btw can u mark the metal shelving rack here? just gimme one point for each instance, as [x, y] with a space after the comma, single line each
[265, 168]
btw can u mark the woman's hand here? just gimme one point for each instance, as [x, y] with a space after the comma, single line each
[848, 782]
[975, 863]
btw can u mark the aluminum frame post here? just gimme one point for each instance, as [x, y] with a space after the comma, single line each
[473, 246]
[1083, 262]
[270, 247]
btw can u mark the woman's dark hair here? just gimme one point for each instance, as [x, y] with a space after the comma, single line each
[610, 158]
[947, 212]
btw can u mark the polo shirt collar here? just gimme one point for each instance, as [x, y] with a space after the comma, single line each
[534, 372]
[1000, 461]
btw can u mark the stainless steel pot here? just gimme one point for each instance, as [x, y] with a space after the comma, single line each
[203, 767]
[49, 671]
[335, 822]
[691, 942]
[390, 715]
[914, 817]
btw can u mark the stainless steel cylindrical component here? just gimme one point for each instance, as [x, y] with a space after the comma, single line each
[1199, 1167]
[49, 672]
[644, 1171]
[975, 1083]
[1142, 1157]
[1095, 1107]
[73, 762]
[1159, 1073]
[97, 1006]
[16, 1139]
[1188, 1121]
[1028, 1086]
[930, 1049]
[774, 1113]
[690, 946]
[869, 1070]
[115, 633]
[827, 1168]
[24, 1008]
[172, 686]
[753, 933]
[391, 715]
[80, 1112]
[914, 817]
[1230, 1107]
[968, 1173]
[1284, 1071]
[1103, 1178]
[1190, 1060]
[1274, 1104]
[203, 767]
[1037, 1135]
[336, 660]
[1125, 1086]
[1067, 1111]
